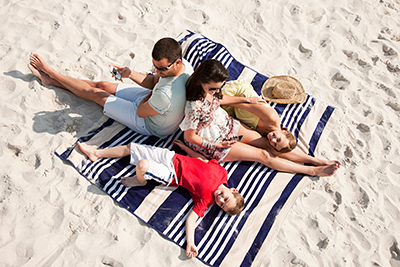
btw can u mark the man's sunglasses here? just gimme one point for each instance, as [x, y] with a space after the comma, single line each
[165, 68]
[215, 89]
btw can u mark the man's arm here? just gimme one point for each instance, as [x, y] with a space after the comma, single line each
[145, 80]
[191, 249]
[144, 108]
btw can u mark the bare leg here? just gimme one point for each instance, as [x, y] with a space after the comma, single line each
[111, 152]
[95, 91]
[253, 138]
[44, 78]
[141, 168]
[240, 151]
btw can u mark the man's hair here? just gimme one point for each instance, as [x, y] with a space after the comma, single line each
[210, 70]
[167, 48]
[292, 141]
[239, 205]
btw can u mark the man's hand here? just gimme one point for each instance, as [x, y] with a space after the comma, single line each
[124, 71]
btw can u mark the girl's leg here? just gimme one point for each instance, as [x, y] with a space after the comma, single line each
[252, 137]
[240, 151]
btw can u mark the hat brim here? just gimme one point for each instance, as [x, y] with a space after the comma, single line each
[266, 91]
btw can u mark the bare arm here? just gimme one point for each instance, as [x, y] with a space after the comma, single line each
[192, 137]
[191, 249]
[145, 80]
[228, 100]
[191, 153]
[144, 108]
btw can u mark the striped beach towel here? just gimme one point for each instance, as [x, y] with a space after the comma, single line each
[222, 240]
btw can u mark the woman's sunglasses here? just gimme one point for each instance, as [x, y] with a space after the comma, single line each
[165, 68]
[217, 88]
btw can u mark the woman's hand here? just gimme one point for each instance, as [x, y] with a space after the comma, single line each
[225, 144]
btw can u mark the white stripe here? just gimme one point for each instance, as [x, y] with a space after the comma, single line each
[172, 224]
[262, 177]
[247, 75]
[245, 181]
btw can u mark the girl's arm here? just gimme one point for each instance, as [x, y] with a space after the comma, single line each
[191, 249]
[228, 100]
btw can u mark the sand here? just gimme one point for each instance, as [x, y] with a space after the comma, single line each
[345, 53]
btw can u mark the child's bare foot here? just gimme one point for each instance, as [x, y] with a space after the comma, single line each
[327, 170]
[132, 181]
[89, 151]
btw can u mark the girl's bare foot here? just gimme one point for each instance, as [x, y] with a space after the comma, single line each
[89, 151]
[132, 181]
[327, 170]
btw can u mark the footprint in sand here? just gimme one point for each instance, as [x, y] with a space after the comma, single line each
[8, 88]
[339, 81]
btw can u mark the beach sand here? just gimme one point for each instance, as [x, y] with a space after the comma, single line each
[345, 53]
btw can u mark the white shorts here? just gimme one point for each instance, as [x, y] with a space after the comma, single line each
[123, 106]
[161, 168]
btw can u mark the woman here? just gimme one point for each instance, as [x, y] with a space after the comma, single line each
[208, 128]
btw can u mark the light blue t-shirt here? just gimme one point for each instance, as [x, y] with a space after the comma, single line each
[168, 99]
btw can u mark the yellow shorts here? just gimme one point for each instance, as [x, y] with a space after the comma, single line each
[241, 88]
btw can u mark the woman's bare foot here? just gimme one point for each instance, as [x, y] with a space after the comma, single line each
[132, 181]
[89, 151]
[327, 170]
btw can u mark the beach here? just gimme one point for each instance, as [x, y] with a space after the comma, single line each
[345, 53]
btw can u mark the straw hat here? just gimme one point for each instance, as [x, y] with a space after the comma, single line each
[283, 90]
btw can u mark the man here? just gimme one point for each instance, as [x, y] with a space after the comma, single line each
[155, 108]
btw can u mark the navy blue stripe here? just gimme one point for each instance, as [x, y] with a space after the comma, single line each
[319, 129]
[268, 222]
[169, 209]
[156, 178]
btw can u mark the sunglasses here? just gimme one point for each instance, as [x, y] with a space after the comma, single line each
[165, 68]
[217, 88]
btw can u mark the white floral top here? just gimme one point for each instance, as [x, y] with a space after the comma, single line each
[211, 122]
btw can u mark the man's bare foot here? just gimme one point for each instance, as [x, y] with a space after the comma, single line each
[132, 181]
[38, 67]
[40, 64]
[89, 151]
[327, 170]
[43, 77]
